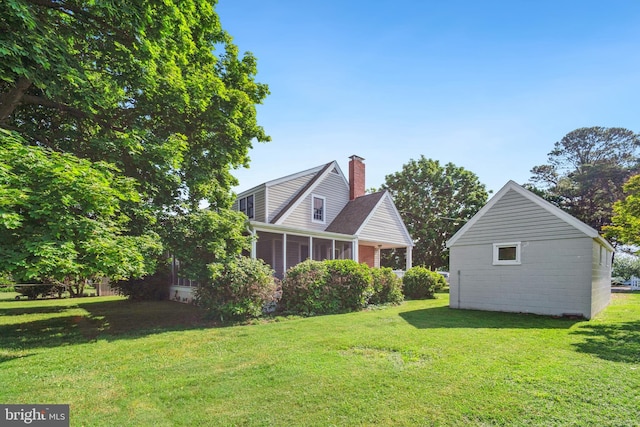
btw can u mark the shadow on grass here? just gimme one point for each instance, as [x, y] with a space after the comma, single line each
[616, 342]
[32, 310]
[111, 320]
[445, 317]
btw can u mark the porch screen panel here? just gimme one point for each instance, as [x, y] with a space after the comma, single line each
[269, 249]
[322, 249]
[297, 249]
[344, 250]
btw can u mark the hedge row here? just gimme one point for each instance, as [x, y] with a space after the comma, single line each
[246, 288]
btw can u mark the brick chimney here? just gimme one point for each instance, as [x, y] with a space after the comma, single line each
[356, 177]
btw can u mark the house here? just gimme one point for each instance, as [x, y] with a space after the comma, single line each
[318, 214]
[520, 253]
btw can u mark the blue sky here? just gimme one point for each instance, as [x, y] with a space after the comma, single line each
[487, 85]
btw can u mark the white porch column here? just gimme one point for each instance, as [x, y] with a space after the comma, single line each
[333, 249]
[409, 257]
[310, 247]
[354, 254]
[254, 245]
[376, 257]
[284, 253]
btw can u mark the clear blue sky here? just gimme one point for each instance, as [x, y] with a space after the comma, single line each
[486, 85]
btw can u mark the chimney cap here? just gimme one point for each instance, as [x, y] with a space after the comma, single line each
[356, 157]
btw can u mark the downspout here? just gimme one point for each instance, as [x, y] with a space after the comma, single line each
[459, 289]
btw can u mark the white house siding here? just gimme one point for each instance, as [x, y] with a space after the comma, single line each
[601, 274]
[279, 195]
[516, 218]
[336, 193]
[384, 225]
[554, 278]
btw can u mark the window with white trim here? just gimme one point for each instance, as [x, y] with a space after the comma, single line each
[507, 253]
[245, 205]
[318, 206]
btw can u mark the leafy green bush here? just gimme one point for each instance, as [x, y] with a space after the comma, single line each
[239, 289]
[421, 283]
[304, 289]
[325, 287]
[387, 287]
[149, 288]
[350, 282]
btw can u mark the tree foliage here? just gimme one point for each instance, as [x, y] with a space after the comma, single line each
[625, 266]
[625, 224]
[586, 170]
[62, 221]
[157, 89]
[434, 201]
[204, 240]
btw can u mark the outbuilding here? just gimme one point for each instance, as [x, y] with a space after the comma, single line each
[520, 253]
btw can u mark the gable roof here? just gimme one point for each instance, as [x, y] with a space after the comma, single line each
[304, 191]
[354, 214]
[357, 214]
[559, 213]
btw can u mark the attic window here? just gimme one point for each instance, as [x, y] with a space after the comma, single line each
[506, 253]
[318, 209]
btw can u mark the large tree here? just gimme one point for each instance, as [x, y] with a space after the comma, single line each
[62, 219]
[156, 88]
[434, 201]
[586, 171]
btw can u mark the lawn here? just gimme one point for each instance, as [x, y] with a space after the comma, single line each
[123, 364]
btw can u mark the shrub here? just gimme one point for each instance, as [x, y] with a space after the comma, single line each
[326, 287]
[149, 288]
[40, 290]
[387, 287]
[421, 283]
[239, 289]
[304, 289]
[350, 282]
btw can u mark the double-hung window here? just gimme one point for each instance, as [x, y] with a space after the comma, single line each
[318, 209]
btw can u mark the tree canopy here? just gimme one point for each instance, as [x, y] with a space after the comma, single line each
[156, 89]
[136, 84]
[434, 201]
[586, 170]
[61, 218]
[625, 224]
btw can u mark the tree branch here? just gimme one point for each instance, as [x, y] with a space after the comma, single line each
[37, 100]
[10, 100]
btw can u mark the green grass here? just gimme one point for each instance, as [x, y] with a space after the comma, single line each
[120, 363]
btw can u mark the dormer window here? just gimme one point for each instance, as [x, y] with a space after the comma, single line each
[245, 206]
[318, 209]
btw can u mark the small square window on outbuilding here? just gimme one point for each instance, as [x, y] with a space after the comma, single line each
[506, 253]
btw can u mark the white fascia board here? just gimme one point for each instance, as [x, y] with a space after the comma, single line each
[294, 176]
[549, 207]
[272, 228]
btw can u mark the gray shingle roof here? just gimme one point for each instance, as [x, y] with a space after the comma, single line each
[353, 215]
